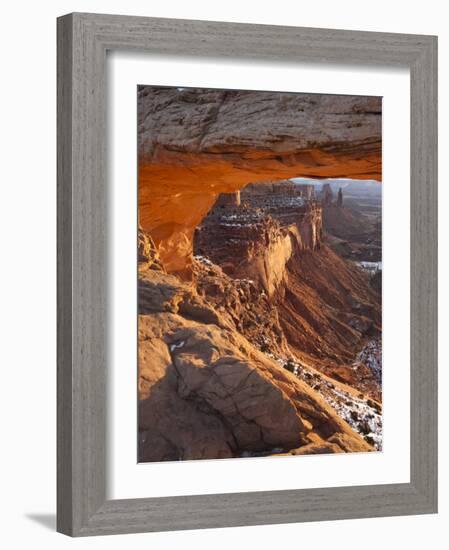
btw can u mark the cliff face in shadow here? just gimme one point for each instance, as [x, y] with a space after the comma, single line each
[195, 144]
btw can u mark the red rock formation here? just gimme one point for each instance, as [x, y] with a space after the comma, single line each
[247, 247]
[325, 306]
[195, 144]
[340, 198]
[327, 195]
[206, 392]
[328, 311]
[345, 223]
[248, 356]
[256, 240]
[243, 304]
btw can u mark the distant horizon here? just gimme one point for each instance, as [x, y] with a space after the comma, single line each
[319, 181]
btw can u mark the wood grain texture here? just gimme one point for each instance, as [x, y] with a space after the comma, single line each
[64, 276]
[83, 40]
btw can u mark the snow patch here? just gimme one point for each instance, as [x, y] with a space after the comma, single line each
[371, 356]
[370, 267]
[363, 414]
[177, 345]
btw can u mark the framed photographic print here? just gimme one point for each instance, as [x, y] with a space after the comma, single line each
[246, 274]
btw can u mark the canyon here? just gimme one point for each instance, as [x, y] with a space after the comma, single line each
[273, 237]
[259, 320]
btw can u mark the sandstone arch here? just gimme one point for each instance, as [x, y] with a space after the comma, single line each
[195, 144]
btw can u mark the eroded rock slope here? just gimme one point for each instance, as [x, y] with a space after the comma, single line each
[206, 392]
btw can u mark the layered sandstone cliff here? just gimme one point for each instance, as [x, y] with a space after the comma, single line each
[195, 144]
[255, 235]
[248, 245]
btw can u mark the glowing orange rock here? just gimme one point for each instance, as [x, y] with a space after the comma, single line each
[195, 144]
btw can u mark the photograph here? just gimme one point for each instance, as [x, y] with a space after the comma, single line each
[259, 273]
[220, 282]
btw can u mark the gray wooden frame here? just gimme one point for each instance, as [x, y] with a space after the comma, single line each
[83, 40]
